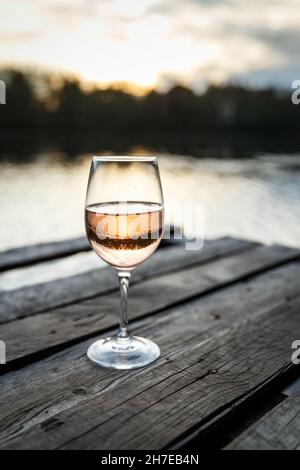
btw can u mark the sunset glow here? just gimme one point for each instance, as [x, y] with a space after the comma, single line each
[154, 43]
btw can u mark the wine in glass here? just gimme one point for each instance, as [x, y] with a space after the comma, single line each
[124, 225]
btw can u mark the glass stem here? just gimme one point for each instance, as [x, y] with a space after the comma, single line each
[124, 278]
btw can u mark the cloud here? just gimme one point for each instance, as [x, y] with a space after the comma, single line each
[150, 42]
[285, 40]
[67, 10]
[19, 37]
[281, 76]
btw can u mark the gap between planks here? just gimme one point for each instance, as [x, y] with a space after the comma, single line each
[71, 380]
[277, 430]
[44, 334]
[42, 297]
[189, 388]
[31, 254]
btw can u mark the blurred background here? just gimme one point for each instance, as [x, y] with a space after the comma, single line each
[205, 85]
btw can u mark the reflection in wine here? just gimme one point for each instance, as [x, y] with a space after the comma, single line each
[124, 234]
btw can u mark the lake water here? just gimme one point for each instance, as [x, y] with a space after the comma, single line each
[256, 198]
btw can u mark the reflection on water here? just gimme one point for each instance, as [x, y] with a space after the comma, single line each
[23, 146]
[258, 198]
[254, 199]
[244, 192]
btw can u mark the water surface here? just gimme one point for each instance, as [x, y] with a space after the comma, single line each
[258, 198]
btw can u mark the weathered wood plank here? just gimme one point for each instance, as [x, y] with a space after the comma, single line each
[42, 296]
[277, 430]
[77, 321]
[27, 255]
[66, 379]
[153, 408]
[34, 253]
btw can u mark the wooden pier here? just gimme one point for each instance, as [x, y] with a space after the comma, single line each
[224, 317]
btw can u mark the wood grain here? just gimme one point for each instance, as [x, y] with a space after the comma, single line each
[39, 297]
[83, 319]
[277, 430]
[26, 255]
[66, 380]
[30, 254]
[153, 408]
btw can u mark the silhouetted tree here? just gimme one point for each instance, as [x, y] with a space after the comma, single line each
[22, 108]
[69, 106]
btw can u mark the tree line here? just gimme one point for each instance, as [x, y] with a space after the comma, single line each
[44, 102]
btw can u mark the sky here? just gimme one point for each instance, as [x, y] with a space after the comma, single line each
[155, 43]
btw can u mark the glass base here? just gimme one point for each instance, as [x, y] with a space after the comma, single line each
[123, 353]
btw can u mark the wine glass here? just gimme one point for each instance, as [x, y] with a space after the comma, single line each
[124, 225]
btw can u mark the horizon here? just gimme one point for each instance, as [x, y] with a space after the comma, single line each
[37, 78]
